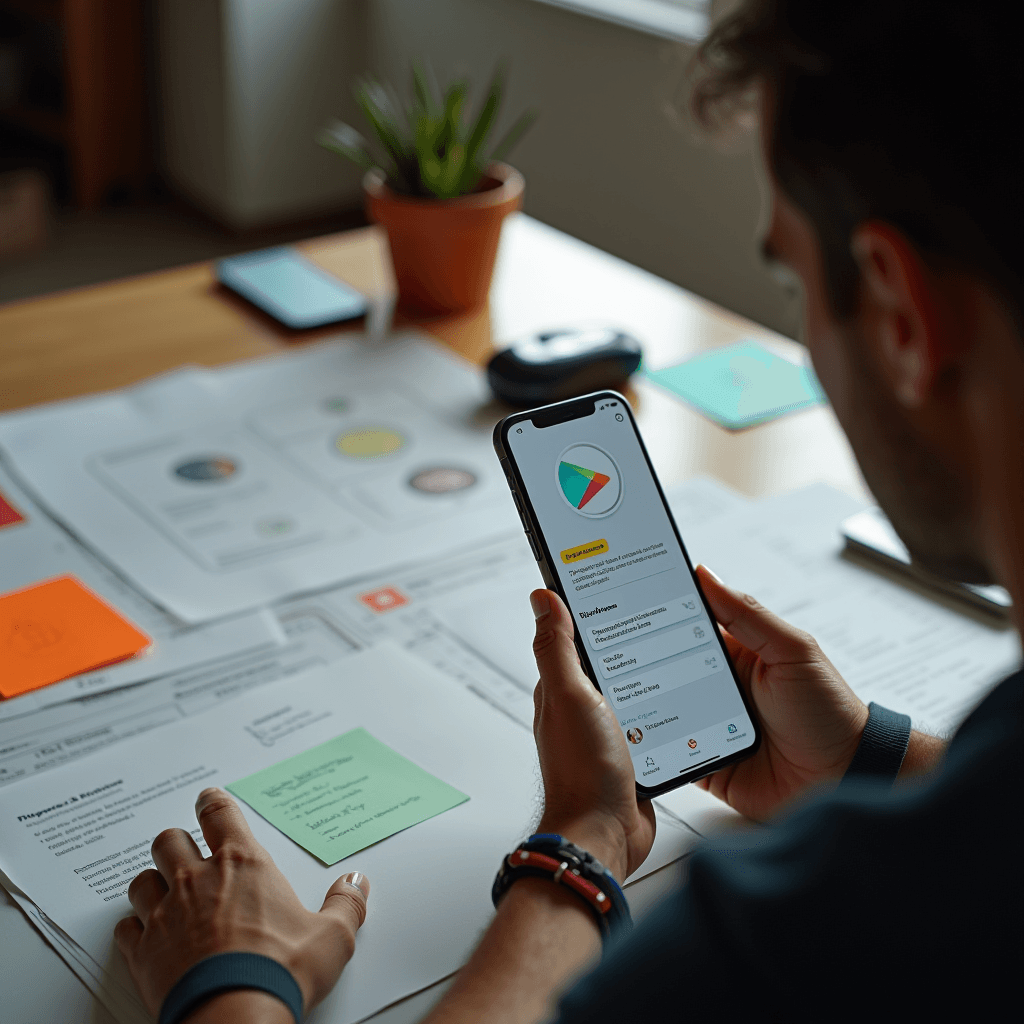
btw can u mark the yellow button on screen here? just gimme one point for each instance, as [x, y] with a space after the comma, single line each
[594, 547]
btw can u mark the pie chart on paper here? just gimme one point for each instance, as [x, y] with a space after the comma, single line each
[373, 443]
[589, 480]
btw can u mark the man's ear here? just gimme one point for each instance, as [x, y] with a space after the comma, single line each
[898, 308]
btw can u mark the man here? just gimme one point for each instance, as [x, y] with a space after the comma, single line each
[890, 137]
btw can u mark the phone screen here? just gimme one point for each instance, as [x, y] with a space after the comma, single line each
[290, 288]
[652, 647]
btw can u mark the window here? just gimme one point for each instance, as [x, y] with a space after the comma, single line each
[687, 20]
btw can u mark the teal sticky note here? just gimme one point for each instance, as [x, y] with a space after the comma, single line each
[741, 385]
[345, 794]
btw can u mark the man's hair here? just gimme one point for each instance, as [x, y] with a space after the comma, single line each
[904, 112]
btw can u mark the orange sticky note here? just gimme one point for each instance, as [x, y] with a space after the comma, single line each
[56, 629]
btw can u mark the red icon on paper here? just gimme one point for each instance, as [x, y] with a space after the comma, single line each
[384, 600]
[692, 744]
[9, 515]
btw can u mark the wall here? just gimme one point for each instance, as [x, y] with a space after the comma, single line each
[244, 86]
[604, 162]
[246, 83]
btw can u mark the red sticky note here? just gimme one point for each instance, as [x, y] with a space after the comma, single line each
[56, 629]
[9, 515]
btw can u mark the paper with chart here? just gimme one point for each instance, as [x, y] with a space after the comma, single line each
[217, 491]
[37, 548]
[344, 795]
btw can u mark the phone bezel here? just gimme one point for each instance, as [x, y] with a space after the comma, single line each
[560, 412]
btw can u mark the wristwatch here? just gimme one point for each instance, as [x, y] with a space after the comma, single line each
[550, 856]
[882, 747]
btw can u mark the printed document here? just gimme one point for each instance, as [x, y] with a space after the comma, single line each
[218, 491]
[75, 836]
[56, 735]
[929, 657]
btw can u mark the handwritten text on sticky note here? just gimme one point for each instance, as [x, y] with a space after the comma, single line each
[345, 795]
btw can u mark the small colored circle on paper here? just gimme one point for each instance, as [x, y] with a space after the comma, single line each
[374, 443]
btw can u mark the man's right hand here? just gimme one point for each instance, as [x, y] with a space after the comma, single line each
[811, 721]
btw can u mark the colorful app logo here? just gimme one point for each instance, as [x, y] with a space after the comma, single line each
[692, 744]
[589, 480]
[732, 728]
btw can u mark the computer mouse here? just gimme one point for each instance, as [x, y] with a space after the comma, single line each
[558, 364]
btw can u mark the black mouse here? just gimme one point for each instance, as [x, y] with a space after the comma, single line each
[554, 365]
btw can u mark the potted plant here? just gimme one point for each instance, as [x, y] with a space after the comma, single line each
[439, 190]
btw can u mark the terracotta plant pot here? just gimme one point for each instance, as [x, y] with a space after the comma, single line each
[443, 250]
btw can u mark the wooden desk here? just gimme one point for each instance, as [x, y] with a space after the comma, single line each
[114, 334]
[111, 335]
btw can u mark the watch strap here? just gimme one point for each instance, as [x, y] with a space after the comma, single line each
[883, 746]
[223, 972]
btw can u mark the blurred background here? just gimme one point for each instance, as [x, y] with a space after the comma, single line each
[142, 134]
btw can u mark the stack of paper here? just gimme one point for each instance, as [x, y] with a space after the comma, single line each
[75, 837]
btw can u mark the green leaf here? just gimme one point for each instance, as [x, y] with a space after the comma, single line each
[422, 91]
[376, 106]
[431, 148]
[509, 140]
[485, 120]
[451, 133]
[343, 139]
[384, 128]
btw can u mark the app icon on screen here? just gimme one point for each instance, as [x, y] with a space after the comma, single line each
[589, 480]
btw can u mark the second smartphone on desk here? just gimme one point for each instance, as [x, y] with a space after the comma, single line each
[607, 543]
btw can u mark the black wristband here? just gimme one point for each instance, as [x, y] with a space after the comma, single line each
[882, 747]
[223, 972]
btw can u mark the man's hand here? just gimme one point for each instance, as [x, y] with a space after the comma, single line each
[589, 787]
[811, 720]
[235, 900]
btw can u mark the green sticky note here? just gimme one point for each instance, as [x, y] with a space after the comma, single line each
[742, 385]
[344, 795]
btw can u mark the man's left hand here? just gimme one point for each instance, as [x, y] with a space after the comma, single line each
[589, 786]
[190, 908]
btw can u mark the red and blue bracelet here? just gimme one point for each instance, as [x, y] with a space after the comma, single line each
[552, 857]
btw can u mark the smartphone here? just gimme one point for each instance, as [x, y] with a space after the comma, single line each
[602, 533]
[871, 535]
[294, 291]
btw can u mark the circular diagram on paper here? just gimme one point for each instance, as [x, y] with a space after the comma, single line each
[206, 470]
[442, 480]
[589, 480]
[374, 443]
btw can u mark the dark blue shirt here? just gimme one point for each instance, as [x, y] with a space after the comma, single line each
[873, 902]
